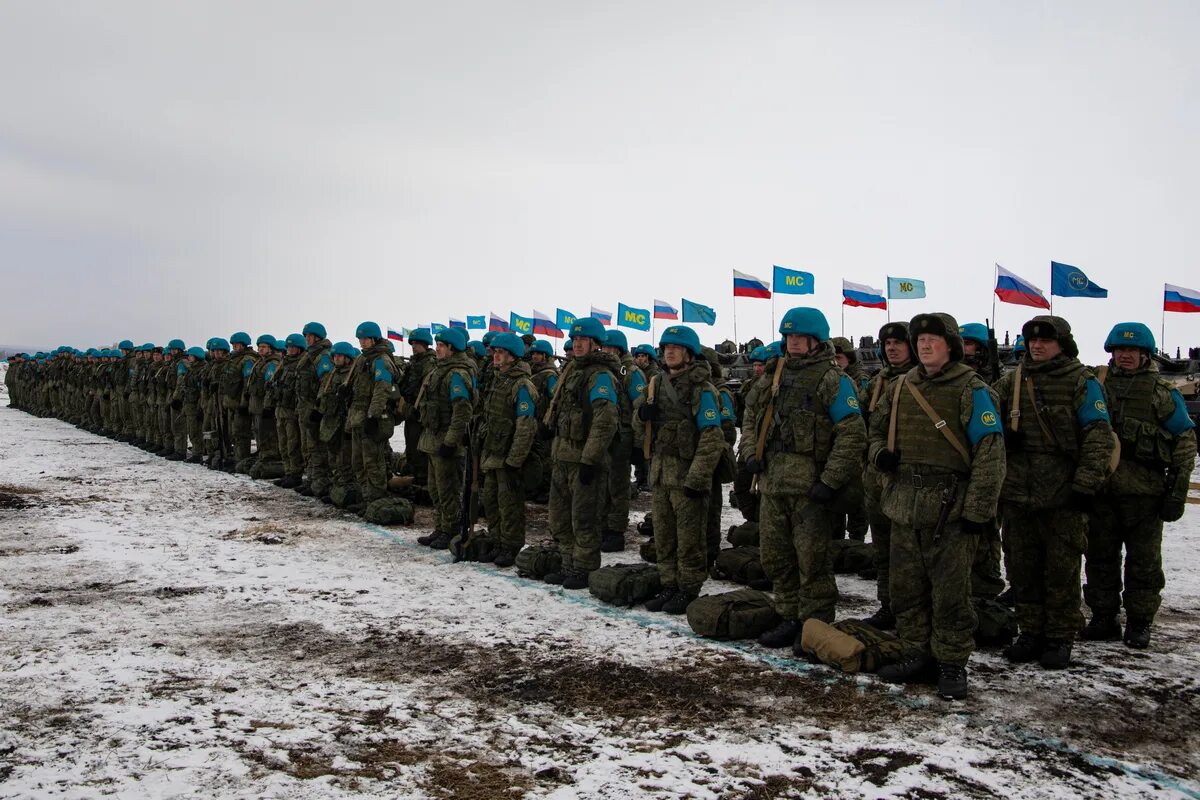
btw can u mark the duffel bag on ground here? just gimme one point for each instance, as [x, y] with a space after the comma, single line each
[741, 565]
[624, 584]
[851, 556]
[744, 535]
[740, 614]
[537, 561]
[389, 511]
[648, 551]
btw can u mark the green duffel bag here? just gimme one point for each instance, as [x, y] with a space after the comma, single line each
[741, 565]
[648, 551]
[997, 624]
[744, 535]
[537, 561]
[389, 511]
[624, 584]
[646, 526]
[882, 648]
[474, 546]
[851, 556]
[740, 614]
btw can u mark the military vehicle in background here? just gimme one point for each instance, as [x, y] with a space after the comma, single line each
[735, 359]
[1181, 371]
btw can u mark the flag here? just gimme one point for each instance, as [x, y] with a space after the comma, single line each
[605, 317]
[905, 288]
[749, 286]
[498, 324]
[861, 295]
[457, 323]
[664, 310]
[477, 323]
[1011, 288]
[436, 327]
[544, 326]
[520, 325]
[1177, 298]
[1068, 281]
[694, 312]
[564, 319]
[630, 317]
[792, 281]
[395, 335]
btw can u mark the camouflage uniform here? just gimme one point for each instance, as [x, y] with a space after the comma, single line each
[747, 501]
[445, 405]
[370, 422]
[416, 462]
[728, 418]
[509, 430]
[333, 436]
[545, 379]
[234, 378]
[628, 436]
[313, 365]
[282, 388]
[261, 403]
[850, 511]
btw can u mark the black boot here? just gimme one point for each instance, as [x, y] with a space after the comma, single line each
[575, 580]
[440, 540]
[505, 557]
[914, 669]
[1137, 633]
[177, 456]
[1056, 654]
[952, 681]
[679, 603]
[553, 578]
[1102, 628]
[612, 542]
[659, 600]
[1026, 648]
[782, 635]
[883, 619]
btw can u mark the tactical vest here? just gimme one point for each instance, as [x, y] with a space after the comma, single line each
[418, 367]
[920, 443]
[330, 403]
[675, 432]
[1131, 408]
[257, 386]
[307, 381]
[283, 383]
[801, 423]
[573, 414]
[1054, 402]
[500, 410]
[190, 392]
[435, 406]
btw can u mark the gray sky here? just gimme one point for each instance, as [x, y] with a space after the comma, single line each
[187, 170]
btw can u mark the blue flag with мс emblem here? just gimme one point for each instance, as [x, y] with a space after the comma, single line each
[1068, 281]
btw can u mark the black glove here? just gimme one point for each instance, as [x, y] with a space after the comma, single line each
[371, 427]
[1170, 509]
[887, 460]
[1014, 440]
[447, 451]
[315, 416]
[1081, 501]
[821, 493]
[648, 412]
[637, 457]
[587, 474]
[343, 392]
[977, 528]
[755, 466]
[695, 494]
[177, 404]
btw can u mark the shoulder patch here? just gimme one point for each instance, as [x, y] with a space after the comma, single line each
[524, 404]
[458, 387]
[247, 367]
[707, 414]
[324, 365]
[637, 385]
[602, 388]
[381, 372]
[1179, 421]
[985, 420]
[1094, 408]
[846, 402]
[269, 372]
[727, 412]
[551, 384]
[181, 368]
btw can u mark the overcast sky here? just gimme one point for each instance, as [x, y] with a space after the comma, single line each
[191, 169]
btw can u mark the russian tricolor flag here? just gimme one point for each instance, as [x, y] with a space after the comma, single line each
[544, 326]
[749, 286]
[395, 335]
[1177, 298]
[664, 310]
[861, 295]
[496, 323]
[605, 317]
[1011, 288]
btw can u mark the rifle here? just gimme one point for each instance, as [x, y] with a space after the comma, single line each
[993, 354]
[220, 413]
[948, 496]
[470, 486]
[648, 441]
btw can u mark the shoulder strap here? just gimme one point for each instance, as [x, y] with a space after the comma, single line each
[891, 440]
[648, 438]
[1102, 374]
[876, 391]
[1036, 415]
[765, 426]
[1014, 411]
[939, 423]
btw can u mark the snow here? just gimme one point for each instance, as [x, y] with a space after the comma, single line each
[174, 632]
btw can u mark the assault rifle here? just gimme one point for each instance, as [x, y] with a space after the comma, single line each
[470, 485]
[220, 456]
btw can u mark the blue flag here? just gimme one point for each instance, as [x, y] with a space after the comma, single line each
[791, 281]
[1068, 281]
[905, 288]
[477, 323]
[436, 327]
[564, 319]
[630, 317]
[694, 312]
[520, 325]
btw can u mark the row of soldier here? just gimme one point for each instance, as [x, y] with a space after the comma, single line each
[948, 471]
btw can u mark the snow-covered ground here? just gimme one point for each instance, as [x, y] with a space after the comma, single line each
[170, 631]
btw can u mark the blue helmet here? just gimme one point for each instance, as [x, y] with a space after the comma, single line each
[265, 338]
[589, 328]
[241, 337]
[176, 344]
[125, 345]
[542, 346]
[280, 345]
[93, 352]
[683, 336]
[645, 350]
[422, 336]
[344, 349]
[510, 342]
[616, 338]
[1130, 334]
[805, 321]
[975, 331]
[314, 328]
[455, 337]
[197, 352]
[760, 354]
[368, 330]
[478, 348]
[568, 345]
[1019, 345]
[218, 344]
[296, 340]
[489, 337]
[147, 347]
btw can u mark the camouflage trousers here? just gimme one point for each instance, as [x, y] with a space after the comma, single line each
[504, 505]
[1044, 550]
[747, 501]
[712, 522]
[179, 432]
[881, 537]
[794, 547]
[850, 513]
[372, 465]
[930, 590]
[680, 533]
[266, 437]
[316, 456]
[616, 515]
[340, 454]
[987, 579]
[1130, 523]
[575, 514]
[445, 489]
[416, 462]
[287, 433]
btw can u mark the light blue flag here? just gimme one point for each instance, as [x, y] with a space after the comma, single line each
[436, 327]
[477, 323]
[520, 325]
[695, 312]
[630, 317]
[905, 288]
[564, 320]
[792, 281]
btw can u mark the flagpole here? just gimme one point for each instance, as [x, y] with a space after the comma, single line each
[995, 277]
[843, 318]
[736, 342]
[1162, 335]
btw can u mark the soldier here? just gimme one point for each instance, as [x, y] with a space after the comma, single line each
[261, 404]
[510, 428]
[584, 414]
[728, 415]
[287, 420]
[334, 431]
[627, 439]
[1149, 487]
[234, 378]
[188, 382]
[445, 404]
[568, 349]
[545, 378]
[937, 443]
[747, 501]
[310, 369]
[685, 419]
[809, 443]
[370, 420]
[850, 512]
[897, 359]
[1059, 444]
[646, 357]
[976, 353]
[419, 365]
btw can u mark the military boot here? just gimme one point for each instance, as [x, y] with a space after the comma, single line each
[612, 542]
[196, 459]
[1026, 648]
[176, 456]
[952, 681]
[659, 600]
[913, 669]
[1101, 628]
[553, 578]
[1137, 633]
[505, 557]
[679, 603]
[575, 580]
[440, 540]
[883, 619]
[289, 482]
[782, 635]
[1056, 654]
[304, 490]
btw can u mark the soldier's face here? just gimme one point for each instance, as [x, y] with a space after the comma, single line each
[265, 349]
[616, 351]
[842, 360]
[537, 358]
[759, 368]
[1127, 357]
[896, 351]
[292, 350]
[502, 358]
[799, 344]
[970, 348]
[585, 345]
[642, 360]
[443, 350]
[1043, 349]
[366, 343]
[675, 355]
[933, 351]
[340, 360]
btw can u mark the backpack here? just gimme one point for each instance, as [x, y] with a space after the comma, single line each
[881, 648]
[475, 546]
[744, 535]
[740, 614]
[646, 526]
[997, 624]
[648, 551]
[624, 584]
[537, 561]
[851, 556]
[741, 565]
[389, 511]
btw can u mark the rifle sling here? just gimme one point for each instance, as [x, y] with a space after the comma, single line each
[940, 424]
